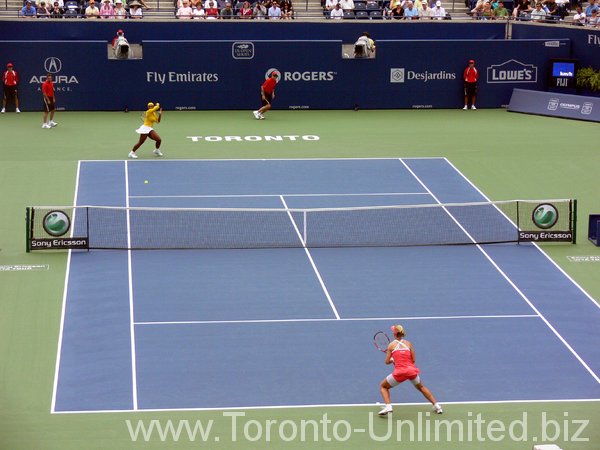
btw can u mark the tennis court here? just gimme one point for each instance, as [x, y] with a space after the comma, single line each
[276, 327]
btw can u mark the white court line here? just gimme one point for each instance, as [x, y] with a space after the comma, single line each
[278, 195]
[507, 278]
[130, 286]
[334, 405]
[312, 263]
[170, 160]
[64, 300]
[347, 319]
[594, 302]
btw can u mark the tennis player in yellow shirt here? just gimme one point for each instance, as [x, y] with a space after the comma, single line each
[150, 117]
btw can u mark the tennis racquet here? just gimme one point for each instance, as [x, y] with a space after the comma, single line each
[381, 341]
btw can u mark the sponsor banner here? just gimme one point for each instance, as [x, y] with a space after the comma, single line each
[585, 41]
[547, 220]
[545, 236]
[59, 244]
[555, 104]
[399, 77]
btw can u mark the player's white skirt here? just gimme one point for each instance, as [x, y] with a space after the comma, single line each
[144, 129]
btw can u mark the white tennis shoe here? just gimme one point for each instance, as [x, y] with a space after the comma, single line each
[260, 116]
[437, 408]
[52, 123]
[132, 155]
[465, 107]
[256, 115]
[386, 410]
[473, 107]
[157, 152]
[45, 125]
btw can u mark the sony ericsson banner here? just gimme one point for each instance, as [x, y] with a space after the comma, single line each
[49, 230]
[314, 74]
[549, 222]
[555, 104]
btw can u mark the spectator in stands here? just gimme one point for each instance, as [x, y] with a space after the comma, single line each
[106, 10]
[579, 18]
[477, 11]
[92, 11]
[594, 20]
[198, 12]
[397, 12]
[57, 11]
[410, 12]
[286, 12]
[426, 12]
[245, 11]
[330, 5]
[439, 12]
[43, 11]
[337, 12]
[28, 10]
[591, 7]
[347, 5]
[552, 9]
[538, 14]
[227, 12]
[562, 7]
[521, 7]
[487, 13]
[212, 12]
[283, 3]
[135, 10]
[120, 12]
[274, 11]
[185, 11]
[501, 12]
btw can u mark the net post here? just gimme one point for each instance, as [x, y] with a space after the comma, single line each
[518, 225]
[574, 219]
[304, 231]
[28, 214]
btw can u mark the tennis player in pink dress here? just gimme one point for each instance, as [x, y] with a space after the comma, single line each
[402, 354]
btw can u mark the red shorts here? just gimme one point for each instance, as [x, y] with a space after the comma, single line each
[406, 373]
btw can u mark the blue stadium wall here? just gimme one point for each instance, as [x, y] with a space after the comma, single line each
[220, 66]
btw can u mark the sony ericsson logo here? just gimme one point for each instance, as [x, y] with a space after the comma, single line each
[53, 64]
[587, 108]
[242, 50]
[512, 71]
[302, 76]
[553, 104]
[544, 216]
[400, 75]
[56, 223]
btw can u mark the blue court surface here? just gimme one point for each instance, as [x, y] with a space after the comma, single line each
[204, 329]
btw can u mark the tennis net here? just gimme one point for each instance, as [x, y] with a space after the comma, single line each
[100, 227]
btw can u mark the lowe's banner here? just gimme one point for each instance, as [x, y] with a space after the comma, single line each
[188, 75]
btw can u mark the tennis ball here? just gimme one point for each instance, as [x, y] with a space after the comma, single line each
[145, 181]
